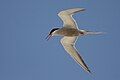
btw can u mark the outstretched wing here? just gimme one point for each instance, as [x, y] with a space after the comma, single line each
[68, 44]
[66, 16]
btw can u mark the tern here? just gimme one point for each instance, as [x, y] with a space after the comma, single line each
[70, 33]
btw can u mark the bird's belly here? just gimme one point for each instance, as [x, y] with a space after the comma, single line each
[69, 32]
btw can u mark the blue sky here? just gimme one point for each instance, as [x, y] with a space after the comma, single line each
[26, 55]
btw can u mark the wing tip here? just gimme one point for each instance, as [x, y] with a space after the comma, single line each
[77, 8]
[82, 9]
[89, 71]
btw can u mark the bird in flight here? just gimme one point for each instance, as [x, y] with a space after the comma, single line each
[70, 33]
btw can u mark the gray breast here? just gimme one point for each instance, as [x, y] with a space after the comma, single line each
[68, 32]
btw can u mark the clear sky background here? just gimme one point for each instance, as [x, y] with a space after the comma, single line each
[26, 55]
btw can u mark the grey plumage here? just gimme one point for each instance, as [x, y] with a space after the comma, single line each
[70, 33]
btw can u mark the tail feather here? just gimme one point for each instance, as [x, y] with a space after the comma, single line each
[93, 33]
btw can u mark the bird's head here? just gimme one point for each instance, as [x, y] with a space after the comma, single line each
[52, 33]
